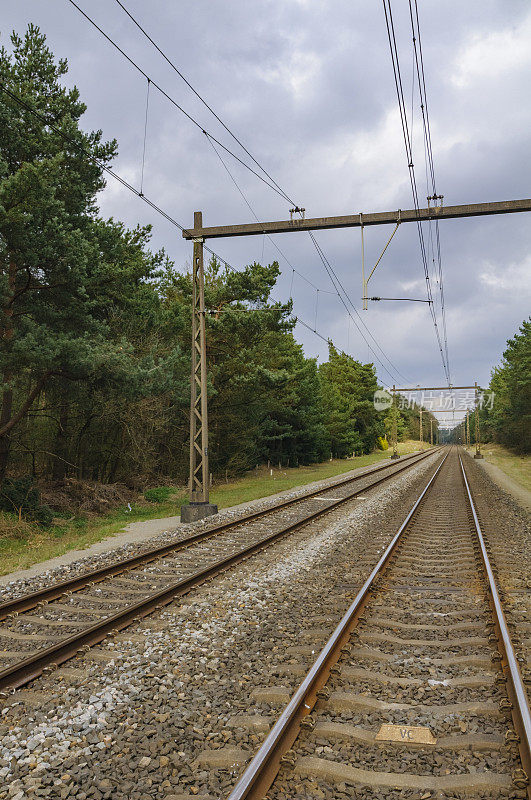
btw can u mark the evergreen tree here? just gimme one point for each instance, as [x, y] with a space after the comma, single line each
[264, 400]
[95, 346]
[348, 388]
[509, 420]
[64, 273]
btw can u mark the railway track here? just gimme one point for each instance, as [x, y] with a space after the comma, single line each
[51, 625]
[417, 694]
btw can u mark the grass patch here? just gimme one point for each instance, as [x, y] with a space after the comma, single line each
[158, 495]
[516, 466]
[260, 482]
[35, 544]
[23, 544]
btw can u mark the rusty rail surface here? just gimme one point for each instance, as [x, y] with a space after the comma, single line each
[511, 670]
[33, 599]
[263, 768]
[19, 674]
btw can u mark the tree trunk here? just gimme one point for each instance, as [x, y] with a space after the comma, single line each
[7, 395]
[5, 416]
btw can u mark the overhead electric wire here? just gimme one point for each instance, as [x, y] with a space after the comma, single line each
[267, 235]
[320, 335]
[333, 278]
[419, 61]
[274, 185]
[104, 167]
[202, 99]
[336, 292]
[236, 138]
[332, 275]
[175, 103]
[409, 154]
[128, 186]
[405, 127]
[330, 271]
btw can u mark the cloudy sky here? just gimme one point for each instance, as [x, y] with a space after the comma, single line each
[307, 86]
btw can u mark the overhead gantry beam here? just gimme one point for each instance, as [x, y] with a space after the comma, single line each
[435, 388]
[358, 220]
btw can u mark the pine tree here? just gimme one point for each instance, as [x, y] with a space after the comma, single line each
[64, 273]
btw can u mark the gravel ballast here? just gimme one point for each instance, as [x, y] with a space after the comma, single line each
[15, 585]
[139, 716]
[160, 710]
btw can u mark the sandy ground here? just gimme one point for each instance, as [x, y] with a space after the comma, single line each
[147, 529]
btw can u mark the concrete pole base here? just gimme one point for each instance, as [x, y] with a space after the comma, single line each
[395, 455]
[196, 511]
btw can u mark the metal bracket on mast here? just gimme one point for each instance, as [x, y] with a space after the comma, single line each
[366, 282]
[394, 433]
[478, 453]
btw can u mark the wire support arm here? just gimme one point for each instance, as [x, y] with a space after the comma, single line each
[382, 253]
[353, 220]
[404, 299]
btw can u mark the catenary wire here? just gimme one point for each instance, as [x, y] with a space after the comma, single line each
[266, 235]
[333, 278]
[199, 96]
[213, 139]
[329, 269]
[104, 167]
[409, 154]
[332, 275]
[421, 77]
[131, 188]
[209, 136]
[175, 103]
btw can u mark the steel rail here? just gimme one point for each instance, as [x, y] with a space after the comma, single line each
[18, 674]
[28, 601]
[521, 715]
[262, 770]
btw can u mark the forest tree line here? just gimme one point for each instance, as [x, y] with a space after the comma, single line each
[95, 345]
[505, 414]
